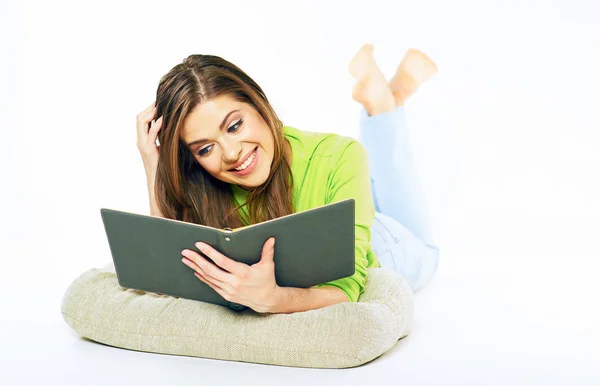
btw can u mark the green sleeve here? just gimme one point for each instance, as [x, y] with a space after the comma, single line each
[350, 178]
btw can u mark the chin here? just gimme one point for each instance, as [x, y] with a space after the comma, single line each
[252, 183]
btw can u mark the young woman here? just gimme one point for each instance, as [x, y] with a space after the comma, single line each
[225, 159]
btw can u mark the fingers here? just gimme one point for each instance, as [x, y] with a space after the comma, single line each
[198, 263]
[202, 274]
[236, 268]
[268, 251]
[143, 118]
[214, 286]
[202, 269]
[154, 128]
[142, 121]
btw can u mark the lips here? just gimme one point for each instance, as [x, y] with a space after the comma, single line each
[243, 160]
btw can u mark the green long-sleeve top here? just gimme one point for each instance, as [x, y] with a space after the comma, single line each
[328, 168]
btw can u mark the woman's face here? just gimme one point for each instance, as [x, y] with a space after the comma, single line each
[230, 132]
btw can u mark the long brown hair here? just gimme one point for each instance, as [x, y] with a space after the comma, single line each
[184, 190]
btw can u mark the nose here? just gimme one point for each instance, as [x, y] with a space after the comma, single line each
[232, 153]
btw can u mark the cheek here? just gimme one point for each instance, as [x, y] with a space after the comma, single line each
[211, 165]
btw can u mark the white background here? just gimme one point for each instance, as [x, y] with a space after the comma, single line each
[505, 138]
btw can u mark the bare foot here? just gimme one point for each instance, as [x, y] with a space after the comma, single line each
[371, 89]
[415, 68]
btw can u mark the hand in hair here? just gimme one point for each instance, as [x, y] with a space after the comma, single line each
[146, 138]
[252, 286]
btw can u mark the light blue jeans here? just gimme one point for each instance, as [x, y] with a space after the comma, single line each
[401, 235]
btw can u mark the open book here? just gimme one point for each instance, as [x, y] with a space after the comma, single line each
[312, 247]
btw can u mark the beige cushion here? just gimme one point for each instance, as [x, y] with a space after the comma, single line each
[337, 336]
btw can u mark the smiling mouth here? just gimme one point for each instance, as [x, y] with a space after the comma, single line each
[249, 156]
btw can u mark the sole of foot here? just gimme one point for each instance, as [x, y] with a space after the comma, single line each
[371, 89]
[414, 70]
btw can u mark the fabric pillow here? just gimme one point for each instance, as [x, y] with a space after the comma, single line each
[338, 336]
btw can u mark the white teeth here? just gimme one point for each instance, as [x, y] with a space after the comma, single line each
[248, 161]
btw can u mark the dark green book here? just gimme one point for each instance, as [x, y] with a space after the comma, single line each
[312, 247]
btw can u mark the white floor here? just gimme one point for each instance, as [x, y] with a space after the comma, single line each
[469, 329]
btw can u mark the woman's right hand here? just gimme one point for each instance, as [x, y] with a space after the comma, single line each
[146, 138]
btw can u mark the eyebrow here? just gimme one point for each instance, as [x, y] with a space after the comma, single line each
[200, 141]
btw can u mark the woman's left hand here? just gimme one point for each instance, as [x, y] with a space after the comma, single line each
[252, 286]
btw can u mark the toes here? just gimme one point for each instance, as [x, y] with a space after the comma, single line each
[362, 62]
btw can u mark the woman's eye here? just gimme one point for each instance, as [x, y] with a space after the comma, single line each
[236, 125]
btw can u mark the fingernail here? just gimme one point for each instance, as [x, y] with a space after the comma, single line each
[200, 246]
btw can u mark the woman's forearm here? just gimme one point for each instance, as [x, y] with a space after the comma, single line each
[154, 211]
[292, 299]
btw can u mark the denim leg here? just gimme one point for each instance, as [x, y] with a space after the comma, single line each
[401, 251]
[401, 235]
